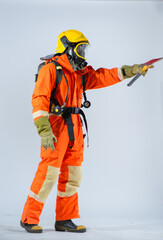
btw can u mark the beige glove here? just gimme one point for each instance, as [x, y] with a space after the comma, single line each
[130, 71]
[45, 132]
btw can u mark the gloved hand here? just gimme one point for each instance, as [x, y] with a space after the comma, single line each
[45, 132]
[130, 71]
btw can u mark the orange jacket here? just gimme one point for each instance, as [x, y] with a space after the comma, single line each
[47, 80]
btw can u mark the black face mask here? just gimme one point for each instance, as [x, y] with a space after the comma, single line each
[76, 65]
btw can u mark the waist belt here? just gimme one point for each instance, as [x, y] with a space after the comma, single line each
[66, 114]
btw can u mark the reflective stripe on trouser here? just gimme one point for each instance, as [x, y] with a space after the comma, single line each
[68, 162]
[67, 197]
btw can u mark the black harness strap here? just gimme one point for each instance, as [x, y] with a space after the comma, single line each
[67, 111]
[68, 120]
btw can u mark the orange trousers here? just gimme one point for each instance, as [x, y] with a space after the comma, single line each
[63, 162]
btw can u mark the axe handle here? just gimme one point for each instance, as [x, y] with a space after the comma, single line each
[134, 79]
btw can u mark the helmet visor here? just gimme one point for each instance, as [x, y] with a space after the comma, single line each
[80, 50]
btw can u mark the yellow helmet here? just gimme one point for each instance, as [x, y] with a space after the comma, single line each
[68, 38]
[74, 44]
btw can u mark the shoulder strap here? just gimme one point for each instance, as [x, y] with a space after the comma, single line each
[59, 71]
[59, 74]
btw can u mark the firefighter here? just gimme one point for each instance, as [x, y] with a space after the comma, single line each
[62, 143]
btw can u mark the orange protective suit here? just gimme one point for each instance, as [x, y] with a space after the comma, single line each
[63, 161]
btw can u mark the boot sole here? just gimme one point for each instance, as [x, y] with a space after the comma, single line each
[64, 229]
[30, 230]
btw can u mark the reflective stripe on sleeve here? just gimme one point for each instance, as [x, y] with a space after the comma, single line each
[120, 75]
[40, 113]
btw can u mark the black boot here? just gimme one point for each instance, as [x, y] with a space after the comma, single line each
[31, 228]
[68, 226]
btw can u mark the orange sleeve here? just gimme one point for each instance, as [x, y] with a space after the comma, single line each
[101, 78]
[41, 96]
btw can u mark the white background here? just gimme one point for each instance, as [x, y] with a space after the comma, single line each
[122, 170]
